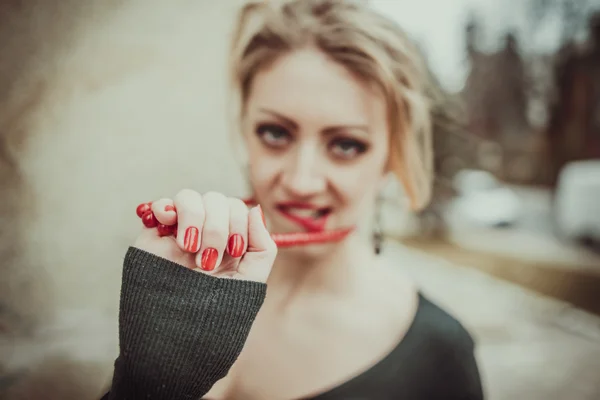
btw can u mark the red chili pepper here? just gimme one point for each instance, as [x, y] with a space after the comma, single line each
[142, 209]
[165, 230]
[282, 240]
[149, 220]
[306, 238]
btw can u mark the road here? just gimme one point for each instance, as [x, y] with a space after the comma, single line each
[528, 346]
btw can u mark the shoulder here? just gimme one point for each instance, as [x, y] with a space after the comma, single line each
[436, 357]
[441, 329]
[447, 340]
[433, 323]
[446, 351]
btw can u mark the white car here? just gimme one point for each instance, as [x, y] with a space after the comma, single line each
[483, 200]
[577, 201]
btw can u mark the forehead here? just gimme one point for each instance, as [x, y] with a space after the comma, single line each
[308, 85]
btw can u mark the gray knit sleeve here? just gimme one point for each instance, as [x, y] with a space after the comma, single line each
[180, 331]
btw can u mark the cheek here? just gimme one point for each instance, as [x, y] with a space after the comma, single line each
[359, 184]
[262, 168]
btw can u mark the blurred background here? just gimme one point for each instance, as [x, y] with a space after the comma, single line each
[106, 104]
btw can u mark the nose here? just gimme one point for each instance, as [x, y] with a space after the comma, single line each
[304, 175]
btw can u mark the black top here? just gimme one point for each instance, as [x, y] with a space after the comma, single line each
[181, 331]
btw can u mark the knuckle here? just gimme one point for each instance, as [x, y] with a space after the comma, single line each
[271, 249]
[237, 204]
[239, 226]
[184, 194]
[188, 204]
[214, 197]
[214, 234]
[192, 216]
[267, 256]
[194, 209]
[159, 204]
[238, 213]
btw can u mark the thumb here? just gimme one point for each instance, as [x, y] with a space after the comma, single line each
[259, 238]
[256, 264]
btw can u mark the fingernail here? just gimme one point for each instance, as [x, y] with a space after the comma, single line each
[190, 240]
[169, 207]
[235, 245]
[262, 215]
[209, 259]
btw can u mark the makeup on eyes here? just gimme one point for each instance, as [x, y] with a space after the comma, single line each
[342, 145]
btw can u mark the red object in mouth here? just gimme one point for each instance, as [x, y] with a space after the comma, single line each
[298, 204]
[311, 223]
[314, 223]
[283, 240]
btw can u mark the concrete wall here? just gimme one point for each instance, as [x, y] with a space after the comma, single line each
[103, 104]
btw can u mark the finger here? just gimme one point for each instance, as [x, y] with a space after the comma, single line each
[215, 231]
[238, 228]
[256, 264]
[190, 219]
[259, 238]
[164, 211]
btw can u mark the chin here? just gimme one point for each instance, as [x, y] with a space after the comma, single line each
[312, 251]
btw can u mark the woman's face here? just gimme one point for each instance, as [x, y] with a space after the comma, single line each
[317, 139]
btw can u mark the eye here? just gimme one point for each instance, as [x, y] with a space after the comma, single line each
[347, 149]
[273, 135]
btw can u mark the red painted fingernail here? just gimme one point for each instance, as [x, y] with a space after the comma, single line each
[190, 240]
[149, 220]
[262, 215]
[169, 207]
[209, 259]
[175, 231]
[164, 230]
[142, 209]
[235, 245]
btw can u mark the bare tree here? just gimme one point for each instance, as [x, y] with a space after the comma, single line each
[572, 13]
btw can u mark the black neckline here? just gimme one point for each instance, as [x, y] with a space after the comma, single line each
[390, 357]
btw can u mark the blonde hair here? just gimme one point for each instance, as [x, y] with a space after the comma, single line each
[370, 46]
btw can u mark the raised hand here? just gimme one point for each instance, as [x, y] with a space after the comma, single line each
[209, 233]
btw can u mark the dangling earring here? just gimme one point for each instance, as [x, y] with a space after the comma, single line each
[377, 228]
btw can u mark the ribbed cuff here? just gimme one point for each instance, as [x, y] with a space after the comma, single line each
[180, 331]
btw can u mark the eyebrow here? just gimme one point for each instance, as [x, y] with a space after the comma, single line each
[330, 129]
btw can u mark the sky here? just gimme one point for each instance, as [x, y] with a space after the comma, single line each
[439, 26]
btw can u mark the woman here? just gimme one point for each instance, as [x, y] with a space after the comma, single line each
[333, 98]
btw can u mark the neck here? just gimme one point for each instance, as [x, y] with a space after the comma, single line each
[334, 269]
